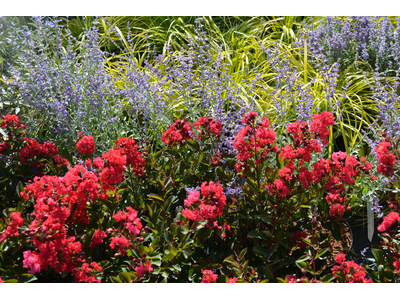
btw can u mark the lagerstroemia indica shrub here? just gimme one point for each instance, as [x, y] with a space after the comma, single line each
[143, 212]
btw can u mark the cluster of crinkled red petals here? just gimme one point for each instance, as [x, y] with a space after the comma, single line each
[11, 121]
[351, 271]
[31, 151]
[181, 130]
[208, 125]
[254, 141]
[386, 159]
[61, 204]
[210, 277]
[178, 132]
[86, 145]
[209, 207]
[391, 246]
[297, 237]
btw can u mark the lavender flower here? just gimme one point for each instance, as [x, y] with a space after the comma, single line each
[372, 40]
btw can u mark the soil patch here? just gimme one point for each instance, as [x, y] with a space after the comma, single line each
[341, 246]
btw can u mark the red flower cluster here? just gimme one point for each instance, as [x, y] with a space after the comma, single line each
[114, 167]
[350, 270]
[304, 142]
[232, 280]
[12, 229]
[208, 125]
[11, 121]
[319, 125]
[222, 229]
[60, 203]
[388, 221]
[209, 277]
[97, 238]
[133, 157]
[32, 149]
[130, 220]
[178, 132]
[278, 189]
[85, 274]
[210, 207]
[253, 141]
[4, 146]
[121, 242]
[143, 268]
[386, 159]
[340, 170]
[297, 237]
[86, 145]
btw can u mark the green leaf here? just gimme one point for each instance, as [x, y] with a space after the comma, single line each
[303, 258]
[381, 273]
[116, 279]
[27, 278]
[186, 253]
[328, 277]
[268, 272]
[255, 234]
[12, 281]
[155, 196]
[321, 252]
[273, 249]
[243, 253]
[167, 236]
[260, 250]
[336, 231]
[371, 272]
[264, 218]
[177, 267]
[125, 276]
[184, 229]
[379, 255]
[194, 144]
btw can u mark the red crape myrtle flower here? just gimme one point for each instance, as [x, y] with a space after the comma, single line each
[177, 133]
[208, 125]
[11, 121]
[232, 280]
[340, 170]
[12, 229]
[209, 277]
[31, 149]
[133, 157]
[388, 221]
[386, 159]
[114, 168]
[297, 237]
[319, 125]
[211, 205]
[121, 242]
[130, 220]
[86, 145]
[97, 238]
[61, 203]
[85, 273]
[253, 141]
[48, 149]
[146, 267]
[351, 271]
